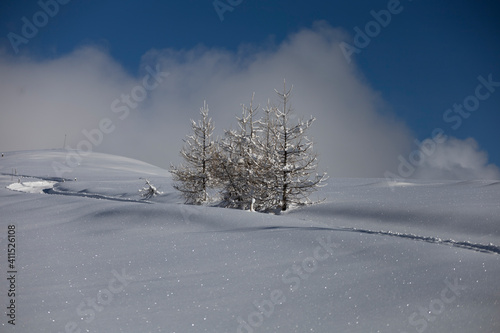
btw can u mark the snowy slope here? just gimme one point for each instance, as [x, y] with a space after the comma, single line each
[92, 256]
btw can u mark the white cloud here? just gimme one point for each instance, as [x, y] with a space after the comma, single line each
[352, 135]
[457, 160]
[41, 101]
[356, 133]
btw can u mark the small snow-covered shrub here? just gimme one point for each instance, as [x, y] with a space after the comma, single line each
[149, 190]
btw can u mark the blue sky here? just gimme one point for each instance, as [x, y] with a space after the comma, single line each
[426, 59]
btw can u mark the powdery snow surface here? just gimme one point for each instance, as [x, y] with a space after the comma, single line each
[92, 256]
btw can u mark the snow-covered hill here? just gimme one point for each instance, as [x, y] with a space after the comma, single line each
[92, 256]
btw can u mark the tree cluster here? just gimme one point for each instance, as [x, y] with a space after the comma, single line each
[266, 164]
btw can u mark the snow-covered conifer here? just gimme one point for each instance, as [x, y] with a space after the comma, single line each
[294, 159]
[194, 177]
[239, 158]
[266, 164]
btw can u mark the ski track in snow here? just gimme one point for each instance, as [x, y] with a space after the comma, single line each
[57, 180]
[484, 248]
[92, 196]
[490, 248]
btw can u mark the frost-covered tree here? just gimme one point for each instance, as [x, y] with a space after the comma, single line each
[268, 183]
[266, 164]
[295, 162]
[238, 161]
[194, 177]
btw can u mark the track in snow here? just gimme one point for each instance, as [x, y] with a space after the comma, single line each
[92, 196]
[484, 248]
[55, 180]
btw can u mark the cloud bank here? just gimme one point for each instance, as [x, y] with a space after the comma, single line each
[356, 133]
[457, 160]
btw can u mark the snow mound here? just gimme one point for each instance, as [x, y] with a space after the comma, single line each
[32, 187]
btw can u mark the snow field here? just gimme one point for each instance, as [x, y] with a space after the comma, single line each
[207, 269]
[291, 279]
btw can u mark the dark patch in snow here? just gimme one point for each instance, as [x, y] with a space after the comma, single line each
[493, 184]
